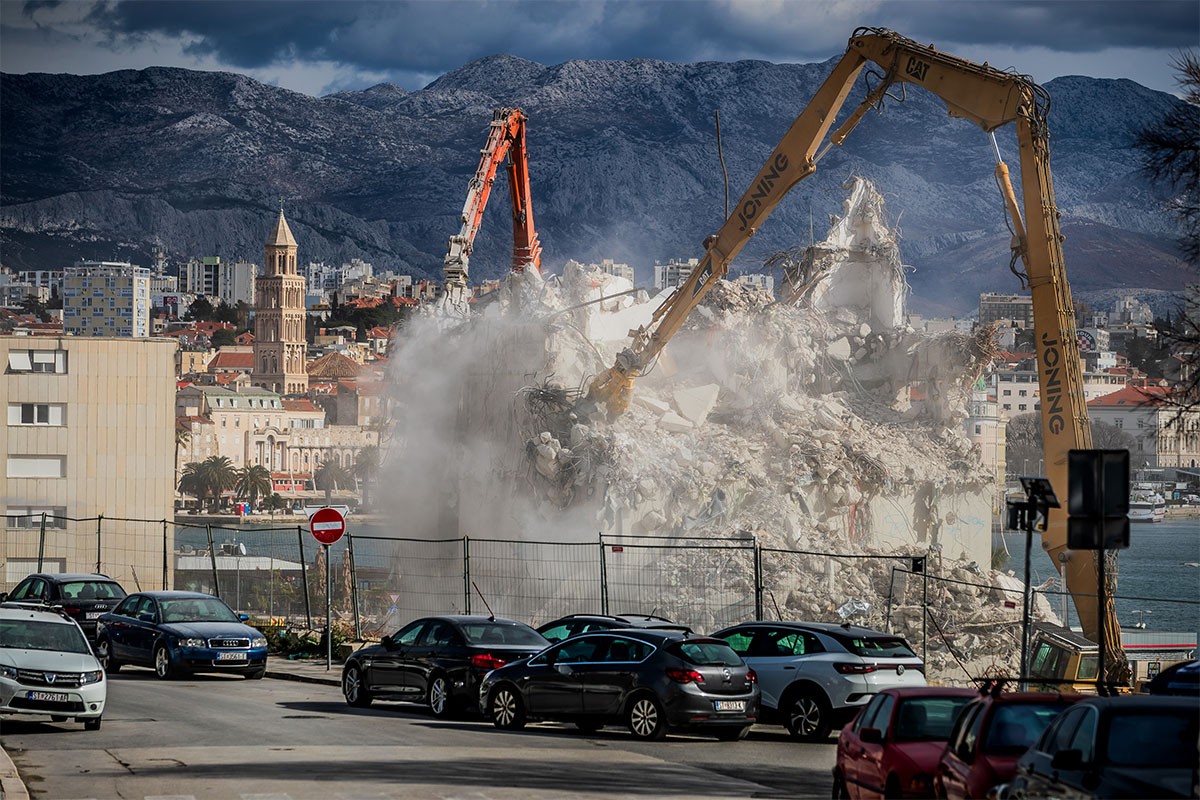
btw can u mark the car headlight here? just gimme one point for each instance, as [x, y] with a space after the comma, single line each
[91, 677]
[258, 641]
[189, 643]
[8, 672]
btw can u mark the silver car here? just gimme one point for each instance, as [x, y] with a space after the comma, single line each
[47, 667]
[815, 675]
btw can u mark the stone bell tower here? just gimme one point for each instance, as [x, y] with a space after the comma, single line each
[279, 343]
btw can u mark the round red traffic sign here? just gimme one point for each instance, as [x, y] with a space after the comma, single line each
[327, 525]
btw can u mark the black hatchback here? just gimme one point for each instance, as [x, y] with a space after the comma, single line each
[649, 680]
[83, 597]
[438, 661]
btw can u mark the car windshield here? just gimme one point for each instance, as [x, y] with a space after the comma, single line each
[927, 719]
[707, 654]
[29, 634]
[1016, 726]
[881, 647]
[196, 609]
[92, 590]
[498, 633]
[1173, 733]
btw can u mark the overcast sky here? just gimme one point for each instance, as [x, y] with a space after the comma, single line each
[323, 46]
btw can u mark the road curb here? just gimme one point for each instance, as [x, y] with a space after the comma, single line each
[291, 676]
[11, 785]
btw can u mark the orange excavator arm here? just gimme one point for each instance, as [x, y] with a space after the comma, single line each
[991, 99]
[506, 141]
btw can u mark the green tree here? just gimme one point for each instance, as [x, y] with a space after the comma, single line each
[274, 502]
[253, 481]
[32, 305]
[223, 338]
[225, 313]
[190, 481]
[201, 310]
[331, 477]
[208, 479]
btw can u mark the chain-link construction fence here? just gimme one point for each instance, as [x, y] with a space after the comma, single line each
[278, 575]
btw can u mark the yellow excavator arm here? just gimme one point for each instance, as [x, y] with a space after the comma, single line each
[990, 98]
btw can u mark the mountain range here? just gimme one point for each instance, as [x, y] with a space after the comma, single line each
[624, 164]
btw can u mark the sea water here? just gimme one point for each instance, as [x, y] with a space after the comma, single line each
[1158, 576]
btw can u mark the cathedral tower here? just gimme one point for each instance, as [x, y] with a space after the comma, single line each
[279, 342]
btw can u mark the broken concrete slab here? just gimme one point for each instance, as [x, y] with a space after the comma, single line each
[697, 403]
[674, 423]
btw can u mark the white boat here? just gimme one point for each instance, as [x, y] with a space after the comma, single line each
[1145, 506]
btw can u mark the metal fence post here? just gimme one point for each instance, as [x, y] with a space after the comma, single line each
[212, 559]
[99, 543]
[467, 573]
[304, 577]
[164, 575]
[887, 625]
[42, 542]
[354, 586]
[758, 582]
[924, 609]
[603, 577]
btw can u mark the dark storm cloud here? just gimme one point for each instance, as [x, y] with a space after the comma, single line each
[432, 37]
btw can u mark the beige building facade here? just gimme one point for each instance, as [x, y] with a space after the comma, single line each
[89, 433]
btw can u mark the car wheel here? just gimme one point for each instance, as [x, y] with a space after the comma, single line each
[163, 667]
[508, 711]
[256, 675]
[807, 716]
[91, 724]
[104, 656]
[732, 734]
[354, 687]
[438, 697]
[645, 717]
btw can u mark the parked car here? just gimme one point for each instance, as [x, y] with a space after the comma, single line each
[650, 680]
[439, 661]
[1114, 747]
[990, 734]
[1178, 679]
[815, 675]
[47, 667]
[575, 624]
[892, 747]
[82, 596]
[178, 633]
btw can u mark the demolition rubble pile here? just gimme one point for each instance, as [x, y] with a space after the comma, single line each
[818, 423]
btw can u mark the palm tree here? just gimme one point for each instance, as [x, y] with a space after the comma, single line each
[365, 467]
[330, 476]
[274, 502]
[253, 481]
[216, 474]
[191, 482]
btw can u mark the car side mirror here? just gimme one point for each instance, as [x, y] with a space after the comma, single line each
[1067, 759]
[871, 735]
[388, 642]
[3, 596]
[146, 616]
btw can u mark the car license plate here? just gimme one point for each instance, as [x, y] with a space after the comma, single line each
[48, 697]
[232, 656]
[730, 705]
[93, 615]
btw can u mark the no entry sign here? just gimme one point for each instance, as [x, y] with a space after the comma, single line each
[327, 525]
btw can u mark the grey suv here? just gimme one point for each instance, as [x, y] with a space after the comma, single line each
[815, 675]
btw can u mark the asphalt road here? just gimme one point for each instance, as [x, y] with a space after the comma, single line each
[223, 737]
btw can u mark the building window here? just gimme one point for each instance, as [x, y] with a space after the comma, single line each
[32, 517]
[1120, 423]
[37, 361]
[37, 466]
[978, 429]
[1021, 407]
[1022, 393]
[35, 413]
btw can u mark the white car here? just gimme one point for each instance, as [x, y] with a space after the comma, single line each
[47, 667]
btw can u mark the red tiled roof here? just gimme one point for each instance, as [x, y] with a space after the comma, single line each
[227, 360]
[1132, 396]
[302, 404]
[227, 377]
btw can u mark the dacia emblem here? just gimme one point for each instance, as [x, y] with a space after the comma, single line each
[51, 677]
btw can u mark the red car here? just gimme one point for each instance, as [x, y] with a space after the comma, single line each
[991, 733]
[892, 747]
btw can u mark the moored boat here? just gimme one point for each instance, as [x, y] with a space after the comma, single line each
[1147, 506]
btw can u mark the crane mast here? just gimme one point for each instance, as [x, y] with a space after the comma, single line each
[505, 142]
[991, 99]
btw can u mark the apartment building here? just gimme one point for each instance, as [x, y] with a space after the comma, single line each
[1017, 390]
[104, 298]
[89, 432]
[673, 273]
[221, 281]
[1013, 308]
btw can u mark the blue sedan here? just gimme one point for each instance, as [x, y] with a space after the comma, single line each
[178, 633]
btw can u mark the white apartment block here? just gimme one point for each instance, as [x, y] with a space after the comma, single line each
[610, 267]
[102, 298]
[760, 280]
[987, 429]
[1014, 308]
[673, 273]
[89, 432]
[221, 281]
[1017, 390]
